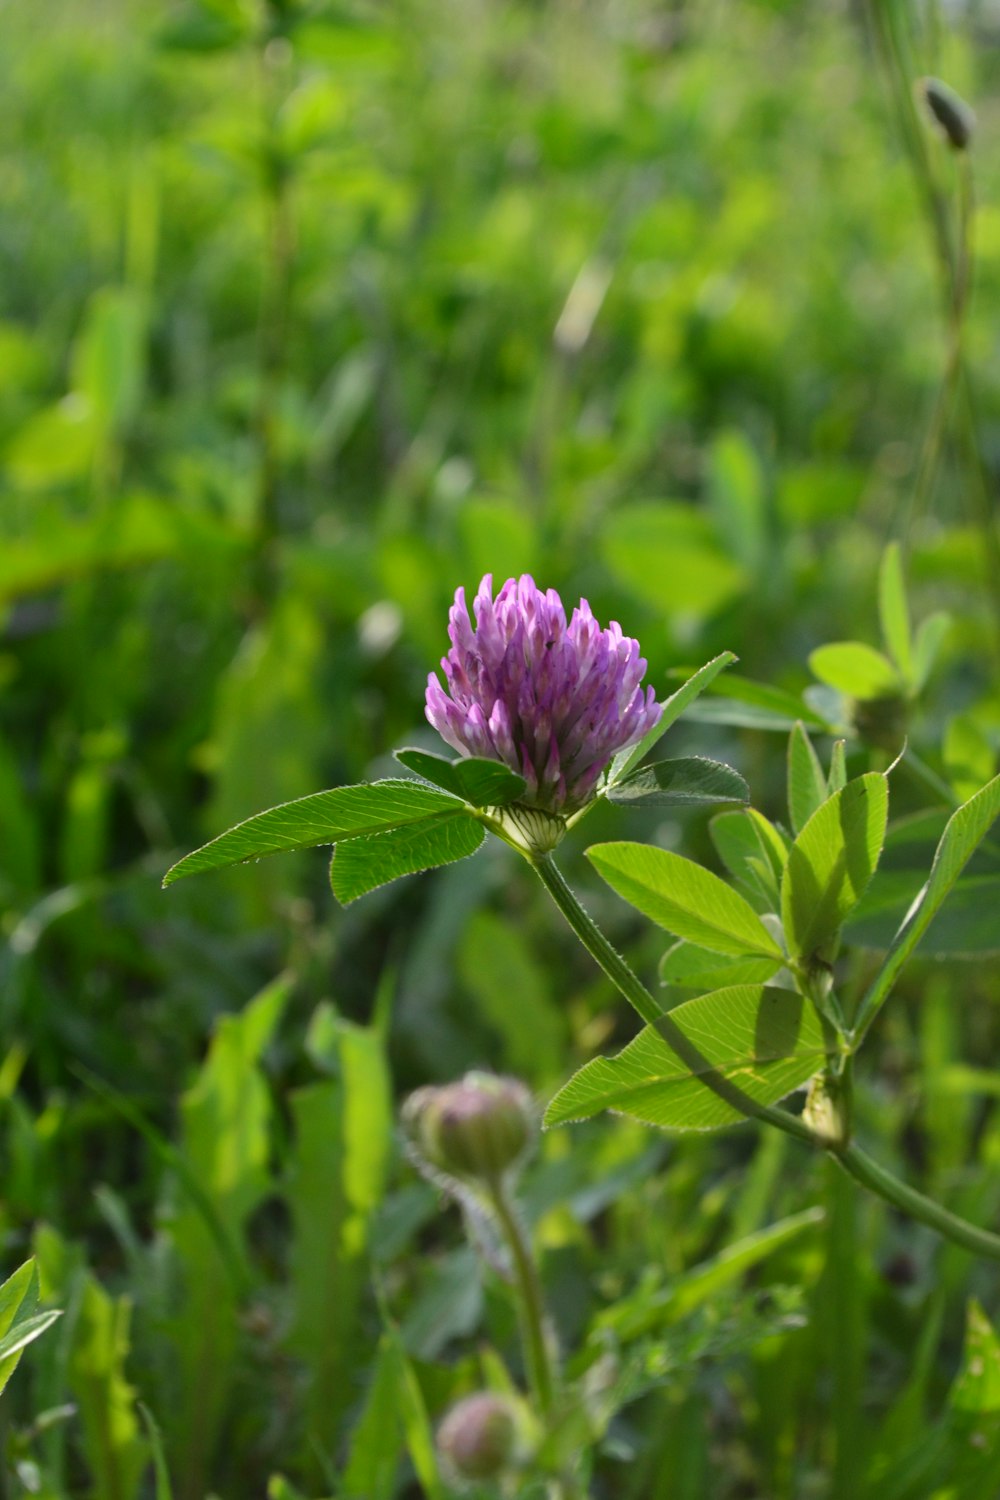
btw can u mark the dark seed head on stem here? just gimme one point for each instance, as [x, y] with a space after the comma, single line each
[949, 111]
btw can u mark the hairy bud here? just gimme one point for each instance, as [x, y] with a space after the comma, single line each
[479, 1438]
[950, 112]
[478, 1128]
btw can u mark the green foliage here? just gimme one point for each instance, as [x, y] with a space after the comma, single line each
[768, 1042]
[291, 345]
[20, 1320]
[686, 899]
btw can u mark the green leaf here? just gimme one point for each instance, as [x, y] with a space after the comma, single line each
[114, 1448]
[752, 850]
[673, 707]
[346, 812]
[767, 1042]
[689, 966]
[856, 669]
[964, 832]
[338, 1164]
[806, 781]
[687, 900]
[692, 779]
[977, 1385]
[929, 640]
[160, 1470]
[376, 1439]
[361, 864]
[20, 1320]
[831, 863]
[894, 614]
[483, 783]
[837, 779]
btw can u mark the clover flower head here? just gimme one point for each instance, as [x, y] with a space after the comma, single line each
[550, 700]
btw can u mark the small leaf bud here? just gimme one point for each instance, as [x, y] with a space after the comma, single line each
[950, 111]
[480, 1127]
[479, 1437]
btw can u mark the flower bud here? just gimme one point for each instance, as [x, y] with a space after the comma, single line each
[479, 1127]
[950, 111]
[478, 1439]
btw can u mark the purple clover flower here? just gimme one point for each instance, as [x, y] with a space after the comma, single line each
[552, 701]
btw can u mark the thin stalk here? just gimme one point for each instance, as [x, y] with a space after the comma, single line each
[538, 1357]
[878, 1179]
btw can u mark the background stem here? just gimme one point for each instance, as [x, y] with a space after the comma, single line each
[538, 1356]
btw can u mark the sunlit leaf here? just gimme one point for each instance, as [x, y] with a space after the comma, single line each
[347, 812]
[831, 863]
[767, 1042]
[684, 898]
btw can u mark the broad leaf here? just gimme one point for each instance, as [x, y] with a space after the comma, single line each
[483, 783]
[965, 831]
[346, 812]
[856, 669]
[806, 781]
[831, 863]
[673, 707]
[669, 783]
[684, 898]
[689, 966]
[361, 864]
[766, 1042]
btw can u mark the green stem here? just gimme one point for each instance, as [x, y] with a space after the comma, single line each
[854, 1161]
[538, 1356]
[877, 1179]
[636, 993]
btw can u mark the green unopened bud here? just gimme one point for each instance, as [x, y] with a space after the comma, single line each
[480, 1127]
[950, 111]
[479, 1438]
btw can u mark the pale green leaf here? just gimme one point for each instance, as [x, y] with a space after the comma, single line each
[930, 638]
[346, 812]
[684, 898]
[766, 1042]
[806, 781]
[752, 850]
[689, 966]
[831, 863]
[837, 779]
[855, 669]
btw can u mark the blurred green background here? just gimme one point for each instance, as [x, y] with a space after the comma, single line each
[309, 313]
